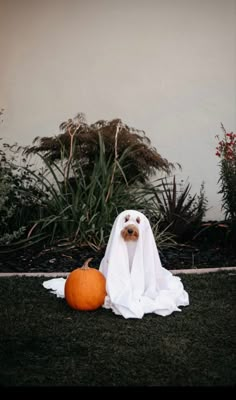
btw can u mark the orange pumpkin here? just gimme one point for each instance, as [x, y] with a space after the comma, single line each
[85, 288]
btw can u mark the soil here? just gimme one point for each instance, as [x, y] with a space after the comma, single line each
[184, 256]
[210, 247]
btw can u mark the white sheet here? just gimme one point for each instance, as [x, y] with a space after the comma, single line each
[148, 288]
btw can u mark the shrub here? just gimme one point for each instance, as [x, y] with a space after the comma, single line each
[143, 160]
[80, 208]
[93, 172]
[226, 151]
[181, 214]
[90, 174]
[19, 196]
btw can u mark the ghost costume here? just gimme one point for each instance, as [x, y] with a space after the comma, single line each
[136, 282]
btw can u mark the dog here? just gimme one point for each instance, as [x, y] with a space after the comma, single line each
[130, 234]
[136, 282]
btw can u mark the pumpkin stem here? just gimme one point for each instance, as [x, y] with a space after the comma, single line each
[85, 265]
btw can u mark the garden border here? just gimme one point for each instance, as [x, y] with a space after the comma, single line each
[65, 274]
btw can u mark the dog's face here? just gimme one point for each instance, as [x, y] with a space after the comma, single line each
[130, 232]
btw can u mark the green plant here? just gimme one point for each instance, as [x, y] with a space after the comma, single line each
[143, 160]
[90, 174]
[226, 151]
[180, 212]
[80, 208]
[20, 196]
[163, 238]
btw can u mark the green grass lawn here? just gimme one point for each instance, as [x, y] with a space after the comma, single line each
[44, 342]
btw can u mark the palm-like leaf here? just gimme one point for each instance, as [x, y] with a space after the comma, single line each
[179, 211]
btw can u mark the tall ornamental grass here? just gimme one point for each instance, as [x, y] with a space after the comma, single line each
[89, 174]
[80, 209]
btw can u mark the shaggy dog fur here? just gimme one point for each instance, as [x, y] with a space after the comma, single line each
[130, 234]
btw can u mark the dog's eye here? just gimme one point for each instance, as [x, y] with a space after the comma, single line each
[138, 220]
[127, 218]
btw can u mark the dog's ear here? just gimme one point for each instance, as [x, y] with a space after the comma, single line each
[127, 218]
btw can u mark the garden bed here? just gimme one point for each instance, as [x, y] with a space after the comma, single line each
[184, 256]
[212, 248]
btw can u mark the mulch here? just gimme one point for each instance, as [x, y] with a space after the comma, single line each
[52, 259]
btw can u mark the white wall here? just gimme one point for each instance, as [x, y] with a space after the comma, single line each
[165, 66]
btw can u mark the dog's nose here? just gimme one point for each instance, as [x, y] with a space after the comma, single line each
[130, 231]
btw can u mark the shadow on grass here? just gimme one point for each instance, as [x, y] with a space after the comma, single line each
[45, 343]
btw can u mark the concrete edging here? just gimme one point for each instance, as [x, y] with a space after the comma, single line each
[65, 274]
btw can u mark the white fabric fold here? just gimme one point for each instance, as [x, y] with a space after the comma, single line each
[136, 282]
[57, 286]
